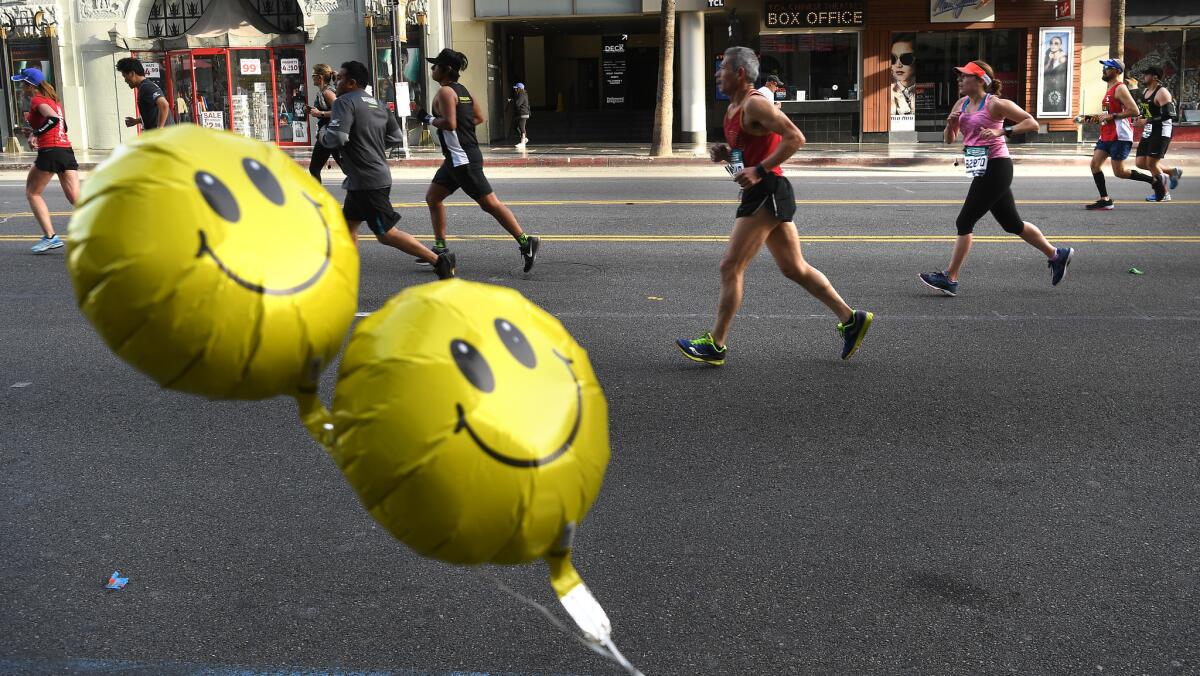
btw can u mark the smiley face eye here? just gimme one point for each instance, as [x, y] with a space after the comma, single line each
[218, 196]
[264, 180]
[516, 343]
[473, 366]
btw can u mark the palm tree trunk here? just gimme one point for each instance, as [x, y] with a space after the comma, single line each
[664, 108]
[1116, 39]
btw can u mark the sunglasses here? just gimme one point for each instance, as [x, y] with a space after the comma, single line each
[905, 59]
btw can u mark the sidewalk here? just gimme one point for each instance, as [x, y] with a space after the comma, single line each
[847, 155]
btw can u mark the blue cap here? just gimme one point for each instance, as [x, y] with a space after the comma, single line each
[519, 85]
[31, 75]
[1113, 63]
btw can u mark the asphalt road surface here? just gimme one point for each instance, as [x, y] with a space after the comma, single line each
[1005, 481]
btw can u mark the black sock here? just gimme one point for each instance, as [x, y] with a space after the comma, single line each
[1135, 175]
[1098, 177]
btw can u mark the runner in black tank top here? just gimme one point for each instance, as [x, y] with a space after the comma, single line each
[1158, 109]
[455, 115]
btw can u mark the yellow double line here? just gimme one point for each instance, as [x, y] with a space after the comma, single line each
[810, 239]
[676, 202]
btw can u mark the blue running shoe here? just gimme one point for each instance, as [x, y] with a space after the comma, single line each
[939, 281]
[1166, 197]
[703, 349]
[1176, 174]
[45, 244]
[1058, 266]
[854, 332]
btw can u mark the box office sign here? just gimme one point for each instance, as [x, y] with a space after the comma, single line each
[843, 14]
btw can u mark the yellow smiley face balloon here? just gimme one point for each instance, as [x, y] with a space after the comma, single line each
[470, 424]
[214, 264]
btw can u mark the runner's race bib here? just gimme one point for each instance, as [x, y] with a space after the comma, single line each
[736, 162]
[975, 159]
[1146, 130]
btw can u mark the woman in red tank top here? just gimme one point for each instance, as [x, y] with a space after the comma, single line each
[47, 131]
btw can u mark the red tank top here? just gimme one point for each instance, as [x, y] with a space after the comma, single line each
[754, 148]
[1116, 130]
[57, 136]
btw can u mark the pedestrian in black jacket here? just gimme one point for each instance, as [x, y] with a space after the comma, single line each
[521, 104]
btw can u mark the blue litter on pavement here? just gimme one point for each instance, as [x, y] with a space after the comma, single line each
[115, 581]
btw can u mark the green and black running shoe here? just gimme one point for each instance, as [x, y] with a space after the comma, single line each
[703, 349]
[854, 331]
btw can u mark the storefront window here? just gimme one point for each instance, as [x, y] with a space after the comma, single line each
[253, 115]
[1155, 48]
[290, 88]
[211, 75]
[937, 55]
[29, 53]
[1189, 88]
[813, 66]
[259, 93]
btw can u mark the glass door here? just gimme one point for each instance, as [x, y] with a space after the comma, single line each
[252, 95]
[290, 92]
[182, 87]
[210, 75]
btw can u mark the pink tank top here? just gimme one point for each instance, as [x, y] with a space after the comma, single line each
[971, 122]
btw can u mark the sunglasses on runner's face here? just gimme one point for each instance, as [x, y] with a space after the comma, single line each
[906, 58]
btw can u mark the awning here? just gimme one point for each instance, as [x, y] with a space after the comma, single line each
[1141, 13]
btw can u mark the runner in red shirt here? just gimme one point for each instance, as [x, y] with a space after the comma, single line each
[759, 138]
[47, 131]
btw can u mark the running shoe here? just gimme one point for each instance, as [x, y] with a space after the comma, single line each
[939, 281]
[529, 251]
[446, 265]
[703, 349]
[1100, 205]
[46, 243]
[437, 251]
[1166, 197]
[854, 332]
[1176, 174]
[1058, 266]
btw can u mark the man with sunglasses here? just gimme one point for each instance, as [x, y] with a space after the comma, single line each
[1116, 136]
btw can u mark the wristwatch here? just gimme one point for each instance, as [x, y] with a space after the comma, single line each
[761, 171]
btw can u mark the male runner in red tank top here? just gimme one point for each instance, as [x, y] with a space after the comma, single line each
[759, 138]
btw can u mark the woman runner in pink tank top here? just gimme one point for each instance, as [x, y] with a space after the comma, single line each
[979, 115]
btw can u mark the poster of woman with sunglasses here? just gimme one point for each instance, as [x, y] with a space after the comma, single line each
[904, 82]
[1054, 85]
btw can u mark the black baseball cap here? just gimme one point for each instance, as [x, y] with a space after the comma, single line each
[448, 58]
[1154, 70]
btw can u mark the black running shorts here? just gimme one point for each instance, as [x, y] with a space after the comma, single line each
[1154, 147]
[775, 193]
[372, 206]
[56, 160]
[469, 177]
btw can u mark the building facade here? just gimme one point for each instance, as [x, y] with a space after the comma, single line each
[241, 65]
[853, 70]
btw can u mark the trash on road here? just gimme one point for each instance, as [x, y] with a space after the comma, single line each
[115, 581]
[1135, 271]
[22, 384]
[653, 297]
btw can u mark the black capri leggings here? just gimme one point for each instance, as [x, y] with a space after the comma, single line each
[992, 192]
[321, 155]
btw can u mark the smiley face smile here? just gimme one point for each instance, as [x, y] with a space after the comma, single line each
[534, 462]
[258, 288]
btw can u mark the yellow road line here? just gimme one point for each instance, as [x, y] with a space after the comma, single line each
[646, 202]
[642, 202]
[881, 239]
